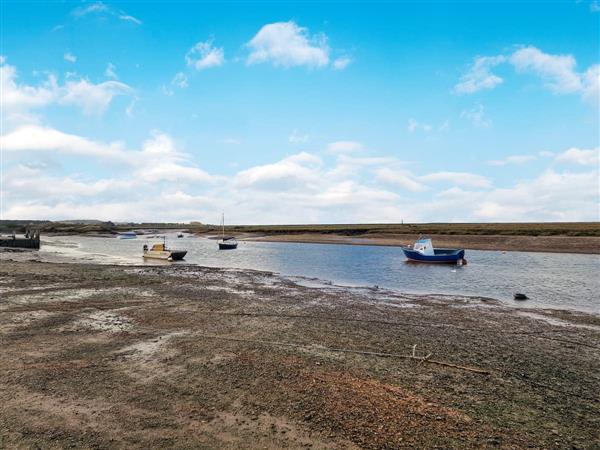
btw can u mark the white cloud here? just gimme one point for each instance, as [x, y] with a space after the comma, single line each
[414, 125]
[514, 159]
[458, 179]
[35, 138]
[591, 84]
[92, 8]
[595, 6]
[580, 156]
[111, 71]
[479, 77]
[286, 44]
[550, 197]
[298, 138]
[345, 147]
[129, 110]
[476, 116]
[558, 72]
[351, 189]
[398, 178]
[341, 63]
[70, 57]
[296, 171]
[103, 9]
[204, 56]
[180, 80]
[92, 98]
[129, 18]
[19, 99]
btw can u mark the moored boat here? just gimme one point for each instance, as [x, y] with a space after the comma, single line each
[226, 242]
[127, 235]
[160, 251]
[423, 251]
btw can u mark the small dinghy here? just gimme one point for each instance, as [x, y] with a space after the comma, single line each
[160, 251]
[423, 251]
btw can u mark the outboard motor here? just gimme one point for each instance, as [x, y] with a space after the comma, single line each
[145, 247]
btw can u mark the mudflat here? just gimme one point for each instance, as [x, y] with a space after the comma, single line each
[98, 356]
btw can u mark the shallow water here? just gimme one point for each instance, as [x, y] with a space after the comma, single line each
[551, 280]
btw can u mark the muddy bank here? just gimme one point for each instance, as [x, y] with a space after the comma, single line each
[557, 244]
[191, 357]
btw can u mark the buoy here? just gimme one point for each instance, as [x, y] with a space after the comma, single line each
[519, 296]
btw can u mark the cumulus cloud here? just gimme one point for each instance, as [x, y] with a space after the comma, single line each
[204, 55]
[552, 196]
[350, 189]
[580, 156]
[19, 98]
[286, 44]
[35, 138]
[92, 98]
[557, 72]
[296, 171]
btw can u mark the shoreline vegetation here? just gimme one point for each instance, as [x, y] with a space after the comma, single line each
[101, 356]
[560, 237]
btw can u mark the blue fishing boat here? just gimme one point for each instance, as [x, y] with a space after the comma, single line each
[127, 235]
[423, 251]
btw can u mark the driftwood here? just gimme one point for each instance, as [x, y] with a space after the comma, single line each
[421, 360]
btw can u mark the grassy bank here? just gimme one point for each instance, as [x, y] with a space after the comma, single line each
[467, 229]
[478, 229]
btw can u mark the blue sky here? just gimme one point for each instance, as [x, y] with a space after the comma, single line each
[301, 112]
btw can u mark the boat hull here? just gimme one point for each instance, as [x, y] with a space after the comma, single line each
[168, 255]
[440, 256]
[227, 246]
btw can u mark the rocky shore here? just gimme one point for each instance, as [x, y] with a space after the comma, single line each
[99, 356]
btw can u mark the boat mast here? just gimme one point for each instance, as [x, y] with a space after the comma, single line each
[223, 224]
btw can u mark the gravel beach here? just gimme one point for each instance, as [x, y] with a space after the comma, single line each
[180, 356]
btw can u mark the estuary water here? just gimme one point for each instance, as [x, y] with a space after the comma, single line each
[550, 280]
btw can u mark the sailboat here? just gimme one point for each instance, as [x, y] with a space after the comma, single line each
[226, 242]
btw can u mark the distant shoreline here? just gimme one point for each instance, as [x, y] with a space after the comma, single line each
[546, 244]
[543, 244]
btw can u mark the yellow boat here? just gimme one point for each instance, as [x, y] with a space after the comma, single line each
[160, 251]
